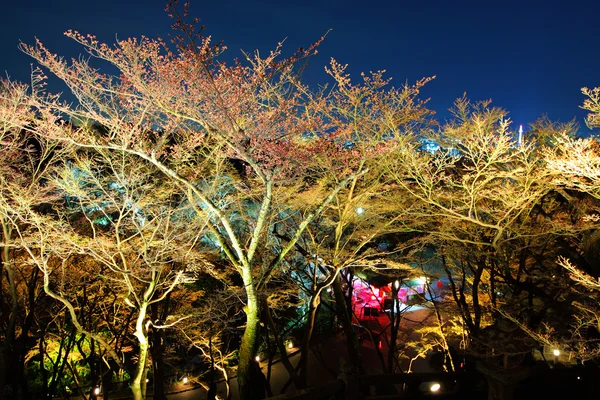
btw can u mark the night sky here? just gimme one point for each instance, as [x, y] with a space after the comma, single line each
[530, 57]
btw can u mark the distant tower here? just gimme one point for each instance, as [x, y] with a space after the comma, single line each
[520, 141]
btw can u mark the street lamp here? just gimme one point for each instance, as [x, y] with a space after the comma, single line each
[556, 353]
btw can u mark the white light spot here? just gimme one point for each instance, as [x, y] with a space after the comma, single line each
[435, 387]
[360, 210]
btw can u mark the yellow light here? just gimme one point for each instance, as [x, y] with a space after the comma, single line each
[97, 391]
[290, 345]
[257, 358]
[185, 379]
[435, 387]
[556, 352]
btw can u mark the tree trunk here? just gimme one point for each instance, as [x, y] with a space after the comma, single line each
[138, 385]
[395, 318]
[9, 358]
[251, 386]
[157, 349]
[305, 347]
[351, 340]
[283, 352]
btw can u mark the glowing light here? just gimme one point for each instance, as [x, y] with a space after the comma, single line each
[290, 345]
[147, 380]
[556, 352]
[328, 290]
[520, 135]
[397, 284]
[257, 358]
[422, 280]
[373, 297]
[97, 391]
[360, 210]
[435, 387]
[185, 379]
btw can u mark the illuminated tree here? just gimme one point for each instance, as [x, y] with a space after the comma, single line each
[376, 120]
[238, 141]
[24, 162]
[575, 163]
[131, 223]
[498, 220]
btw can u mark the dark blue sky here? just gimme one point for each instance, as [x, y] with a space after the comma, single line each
[530, 57]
